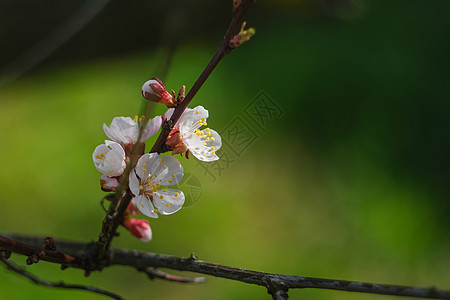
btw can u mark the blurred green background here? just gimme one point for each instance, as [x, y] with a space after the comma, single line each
[352, 182]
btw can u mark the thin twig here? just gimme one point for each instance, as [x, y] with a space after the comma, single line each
[153, 273]
[275, 283]
[223, 50]
[13, 267]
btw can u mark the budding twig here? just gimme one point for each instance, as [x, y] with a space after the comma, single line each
[153, 273]
[223, 50]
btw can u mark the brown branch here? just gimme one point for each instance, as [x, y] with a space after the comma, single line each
[276, 284]
[38, 252]
[223, 50]
[13, 267]
[115, 214]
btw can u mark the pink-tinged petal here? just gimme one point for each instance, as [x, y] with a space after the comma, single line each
[168, 114]
[133, 184]
[145, 206]
[146, 233]
[168, 172]
[139, 228]
[122, 130]
[147, 164]
[168, 201]
[151, 128]
[108, 184]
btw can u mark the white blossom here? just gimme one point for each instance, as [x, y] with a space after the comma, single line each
[109, 159]
[126, 130]
[202, 143]
[145, 183]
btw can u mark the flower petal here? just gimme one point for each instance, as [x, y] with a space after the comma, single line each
[192, 119]
[168, 201]
[204, 146]
[147, 165]
[122, 130]
[151, 128]
[168, 114]
[168, 172]
[145, 206]
[133, 184]
[109, 159]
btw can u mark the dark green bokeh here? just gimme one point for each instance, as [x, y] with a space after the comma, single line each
[351, 183]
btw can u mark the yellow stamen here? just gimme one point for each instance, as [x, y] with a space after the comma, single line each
[165, 191]
[207, 129]
[204, 124]
[212, 147]
[173, 175]
[204, 154]
[160, 160]
[155, 210]
[161, 197]
[165, 167]
[208, 139]
[167, 204]
[212, 139]
[149, 175]
[197, 112]
[144, 170]
[135, 118]
[208, 134]
[141, 187]
[144, 165]
[213, 152]
[142, 205]
[170, 180]
[102, 155]
[204, 143]
[177, 194]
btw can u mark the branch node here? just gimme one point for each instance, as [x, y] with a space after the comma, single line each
[193, 257]
[49, 244]
[33, 259]
[5, 254]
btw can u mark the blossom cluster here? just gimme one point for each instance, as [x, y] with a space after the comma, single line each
[149, 180]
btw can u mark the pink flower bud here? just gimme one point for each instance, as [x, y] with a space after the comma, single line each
[155, 91]
[132, 209]
[108, 184]
[139, 228]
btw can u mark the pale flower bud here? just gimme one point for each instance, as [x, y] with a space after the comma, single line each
[108, 184]
[155, 91]
[139, 228]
